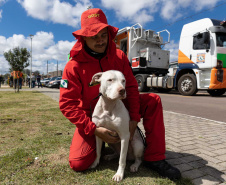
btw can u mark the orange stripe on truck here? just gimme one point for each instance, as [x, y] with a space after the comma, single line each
[182, 58]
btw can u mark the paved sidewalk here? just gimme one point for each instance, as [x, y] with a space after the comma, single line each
[194, 145]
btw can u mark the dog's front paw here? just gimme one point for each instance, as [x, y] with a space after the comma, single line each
[117, 177]
[133, 168]
[95, 163]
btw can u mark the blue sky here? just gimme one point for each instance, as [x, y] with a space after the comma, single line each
[53, 21]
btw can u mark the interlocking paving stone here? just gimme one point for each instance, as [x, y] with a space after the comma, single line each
[223, 164]
[175, 161]
[211, 154]
[211, 159]
[196, 164]
[189, 147]
[206, 180]
[190, 158]
[173, 155]
[220, 151]
[219, 146]
[218, 166]
[194, 152]
[202, 144]
[222, 157]
[184, 167]
[212, 172]
[193, 174]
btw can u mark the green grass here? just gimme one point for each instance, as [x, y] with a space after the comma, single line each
[34, 146]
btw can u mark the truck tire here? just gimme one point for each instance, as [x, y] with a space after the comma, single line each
[216, 92]
[142, 86]
[187, 85]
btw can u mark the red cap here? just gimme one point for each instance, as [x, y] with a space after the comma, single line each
[92, 22]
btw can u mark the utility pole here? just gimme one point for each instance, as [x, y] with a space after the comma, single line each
[47, 70]
[31, 36]
[57, 68]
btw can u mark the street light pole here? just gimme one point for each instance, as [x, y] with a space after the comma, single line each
[31, 36]
[47, 75]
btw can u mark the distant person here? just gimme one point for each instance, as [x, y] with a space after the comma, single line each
[21, 81]
[11, 81]
[28, 81]
[39, 80]
[15, 81]
[32, 80]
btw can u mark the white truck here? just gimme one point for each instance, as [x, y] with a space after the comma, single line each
[201, 61]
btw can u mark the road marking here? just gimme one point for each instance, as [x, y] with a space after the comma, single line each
[220, 122]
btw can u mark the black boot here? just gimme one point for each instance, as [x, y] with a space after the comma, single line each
[164, 169]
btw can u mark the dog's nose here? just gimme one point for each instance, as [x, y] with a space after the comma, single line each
[122, 91]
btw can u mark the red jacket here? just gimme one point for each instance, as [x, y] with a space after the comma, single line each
[76, 99]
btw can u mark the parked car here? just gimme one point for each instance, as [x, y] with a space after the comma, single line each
[54, 82]
[51, 80]
[45, 81]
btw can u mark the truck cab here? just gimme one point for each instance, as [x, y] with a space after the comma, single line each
[202, 57]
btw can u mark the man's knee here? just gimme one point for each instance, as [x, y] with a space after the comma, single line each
[155, 98]
[80, 165]
[77, 166]
[150, 99]
[83, 163]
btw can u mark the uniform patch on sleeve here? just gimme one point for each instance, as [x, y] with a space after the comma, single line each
[64, 83]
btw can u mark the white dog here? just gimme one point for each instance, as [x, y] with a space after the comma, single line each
[111, 113]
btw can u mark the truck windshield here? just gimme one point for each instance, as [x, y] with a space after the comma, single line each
[221, 39]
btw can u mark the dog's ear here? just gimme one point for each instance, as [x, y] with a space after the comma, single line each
[95, 79]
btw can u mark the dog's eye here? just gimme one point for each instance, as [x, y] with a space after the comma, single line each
[110, 80]
[123, 81]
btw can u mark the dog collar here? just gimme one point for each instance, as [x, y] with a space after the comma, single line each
[90, 107]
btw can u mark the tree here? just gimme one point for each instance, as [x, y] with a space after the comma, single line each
[36, 73]
[26, 71]
[18, 60]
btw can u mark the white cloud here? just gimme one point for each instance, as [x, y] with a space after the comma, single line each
[0, 15]
[144, 10]
[43, 48]
[169, 10]
[132, 10]
[56, 11]
[173, 48]
[174, 9]
[1, 3]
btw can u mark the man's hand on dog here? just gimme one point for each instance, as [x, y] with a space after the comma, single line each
[132, 128]
[106, 135]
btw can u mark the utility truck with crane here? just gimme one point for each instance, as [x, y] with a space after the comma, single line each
[201, 61]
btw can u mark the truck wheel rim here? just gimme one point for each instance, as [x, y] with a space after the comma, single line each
[139, 82]
[186, 85]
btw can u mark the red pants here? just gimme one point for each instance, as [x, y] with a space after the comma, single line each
[83, 147]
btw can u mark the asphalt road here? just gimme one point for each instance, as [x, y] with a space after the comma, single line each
[200, 105]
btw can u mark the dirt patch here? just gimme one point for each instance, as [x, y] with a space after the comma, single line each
[60, 157]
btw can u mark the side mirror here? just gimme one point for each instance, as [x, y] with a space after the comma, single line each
[224, 44]
[206, 37]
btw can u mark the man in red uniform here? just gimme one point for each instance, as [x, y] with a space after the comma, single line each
[96, 52]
